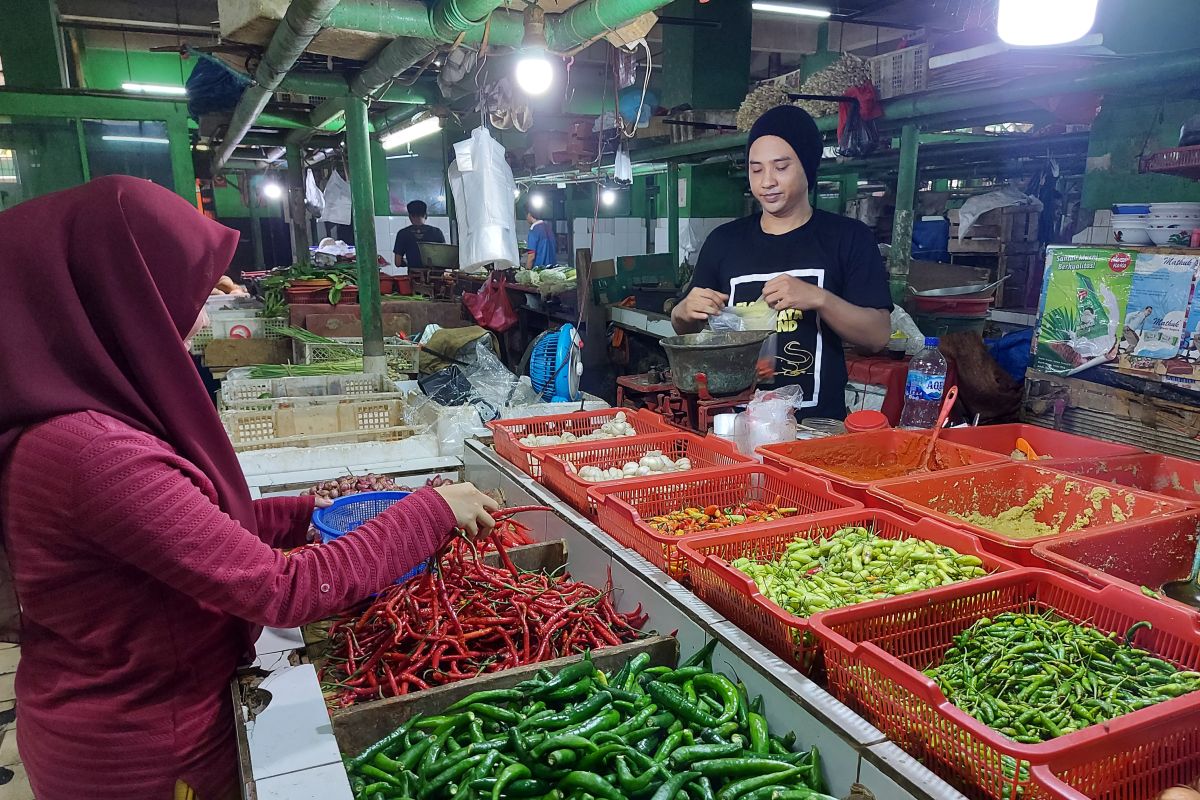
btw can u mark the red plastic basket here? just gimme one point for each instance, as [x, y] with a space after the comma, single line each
[732, 592]
[854, 461]
[1150, 472]
[507, 433]
[704, 452]
[1134, 764]
[874, 654]
[1147, 554]
[622, 512]
[1046, 442]
[992, 489]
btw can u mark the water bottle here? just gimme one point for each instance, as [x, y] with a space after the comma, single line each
[923, 389]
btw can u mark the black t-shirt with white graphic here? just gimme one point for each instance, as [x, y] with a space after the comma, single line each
[836, 253]
[408, 241]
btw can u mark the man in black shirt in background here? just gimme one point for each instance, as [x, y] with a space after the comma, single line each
[406, 251]
[821, 272]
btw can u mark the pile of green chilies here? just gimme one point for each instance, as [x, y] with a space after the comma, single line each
[854, 565]
[642, 732]
[1035, 677]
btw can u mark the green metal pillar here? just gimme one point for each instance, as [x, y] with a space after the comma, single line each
[301, 233]
[30, 47]
[183, 169]
[689, 74]
[256, 215]
[362, 197]
[847, 190]
[902, 226]
[673, 213]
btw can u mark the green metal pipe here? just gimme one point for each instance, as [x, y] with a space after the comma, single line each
[996, 104]
[300, 24]
[449, 18]
[332, 84]
[399, 55]
[362, 198]
[413, 19]
[593, 18]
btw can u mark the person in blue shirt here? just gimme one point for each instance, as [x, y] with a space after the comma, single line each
[541, 244]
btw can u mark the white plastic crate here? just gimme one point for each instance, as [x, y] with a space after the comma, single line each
[901, 72]
[401, 356]
[237, 324]
[235, 393]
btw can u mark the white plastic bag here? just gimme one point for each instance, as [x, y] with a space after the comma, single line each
[314, 198]
[338, 208]
[769, 418]
[483, 188]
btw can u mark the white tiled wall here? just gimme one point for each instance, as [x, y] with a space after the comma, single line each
[387, 227]
[627, 236]
[693, 232]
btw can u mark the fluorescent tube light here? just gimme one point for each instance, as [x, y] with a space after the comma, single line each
[136, 139]
[153, 88]
[796, 11]
[413, 132]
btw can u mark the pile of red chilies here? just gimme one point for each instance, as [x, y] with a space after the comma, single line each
[464, 618]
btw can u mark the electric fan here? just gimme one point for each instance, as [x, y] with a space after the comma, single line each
[555, 365]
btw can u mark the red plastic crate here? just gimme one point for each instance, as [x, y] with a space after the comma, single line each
[1044, 441]
[995, 488]
[875, 654]
[622, 512]
[1133, 764]
[507, 433]
[734, 594]
[704, 452]
[1150, 472]
[843, 459]
[1146, 554]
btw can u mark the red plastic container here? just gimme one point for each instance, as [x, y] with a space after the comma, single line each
[875, 654]
[855, 461]
[1046, 442]
[507, 433]
[623, 512]
[959, 306]
[403, 284]
[996, 488]
[704, 452]
[732, 592]
[1148, 553]
[1150, 472]
[1133, 764]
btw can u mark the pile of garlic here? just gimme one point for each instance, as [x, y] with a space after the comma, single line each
[653, 463]
[615, 428]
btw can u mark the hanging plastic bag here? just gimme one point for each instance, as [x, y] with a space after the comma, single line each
[483, 188]
[337, 200]
[490, 306]
[314, 198]
[769, 418]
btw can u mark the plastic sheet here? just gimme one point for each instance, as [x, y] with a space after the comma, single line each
[483, 188]
[769, 418]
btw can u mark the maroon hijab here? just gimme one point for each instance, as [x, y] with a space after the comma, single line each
[101, 284]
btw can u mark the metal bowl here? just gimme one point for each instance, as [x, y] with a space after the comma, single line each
[729, 359]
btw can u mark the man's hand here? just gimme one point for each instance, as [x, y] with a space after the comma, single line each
[698, 306]
[785, 292]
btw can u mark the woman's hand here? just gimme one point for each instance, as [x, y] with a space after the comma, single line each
[472, 508]
[320, 501]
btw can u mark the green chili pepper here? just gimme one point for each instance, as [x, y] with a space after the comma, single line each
[668, 697]
[758, 735]
[673, 784]
[591, 783]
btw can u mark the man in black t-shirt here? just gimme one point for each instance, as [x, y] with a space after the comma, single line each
[406, 251]
[822, 273]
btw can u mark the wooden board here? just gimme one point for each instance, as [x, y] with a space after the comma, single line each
[344, 324]
[358, 727]
[996, 246]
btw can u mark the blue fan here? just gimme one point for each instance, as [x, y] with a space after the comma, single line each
[555, 365]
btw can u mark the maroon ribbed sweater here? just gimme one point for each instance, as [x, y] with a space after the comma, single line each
[136, 591]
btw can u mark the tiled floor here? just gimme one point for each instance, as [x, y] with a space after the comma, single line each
[13, 783]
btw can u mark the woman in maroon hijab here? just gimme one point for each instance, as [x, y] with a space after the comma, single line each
[142, 567]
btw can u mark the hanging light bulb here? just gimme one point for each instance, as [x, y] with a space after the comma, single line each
[534, 73]
[608, 197]
[272, 190]
[1039, 23]
[538, 201]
